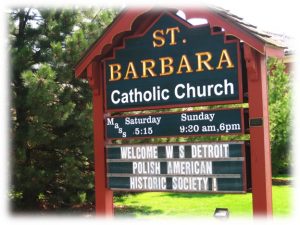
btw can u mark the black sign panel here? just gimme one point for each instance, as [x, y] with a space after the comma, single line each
[173, 64]
[210, 122]
[191, 167]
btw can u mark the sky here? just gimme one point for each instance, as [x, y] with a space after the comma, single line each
[274, 16]
[268, 15]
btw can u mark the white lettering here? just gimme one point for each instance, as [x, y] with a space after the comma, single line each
[148, 167]
[188, 91]
[210, 151]
[169, 151]
[190, 183]
[181, 151]
[139, 152]
[151, 183]
[189, 167]
[113, 99]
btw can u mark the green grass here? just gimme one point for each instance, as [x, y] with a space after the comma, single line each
[282, 200]
[159, 204]
[283, 176]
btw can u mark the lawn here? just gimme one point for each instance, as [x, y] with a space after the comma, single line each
[162, 204]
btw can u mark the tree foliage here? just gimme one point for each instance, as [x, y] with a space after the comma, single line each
[52, 149]
[279, 113]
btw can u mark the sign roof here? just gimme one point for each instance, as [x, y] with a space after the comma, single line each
[135, 21]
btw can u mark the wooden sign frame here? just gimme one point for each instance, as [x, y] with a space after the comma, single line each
[254, 52]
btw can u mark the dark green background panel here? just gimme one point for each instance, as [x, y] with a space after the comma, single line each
[198, 39]
[170, 125]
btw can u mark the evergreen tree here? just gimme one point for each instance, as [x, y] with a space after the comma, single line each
[52, 153]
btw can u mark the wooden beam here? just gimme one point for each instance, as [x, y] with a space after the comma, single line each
[259, 132]
[104, 196]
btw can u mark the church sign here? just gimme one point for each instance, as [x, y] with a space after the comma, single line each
[173, 64]
[150, 59]
[184, 167]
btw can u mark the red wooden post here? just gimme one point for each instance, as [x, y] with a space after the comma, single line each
[259, 134]
[104, 196]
